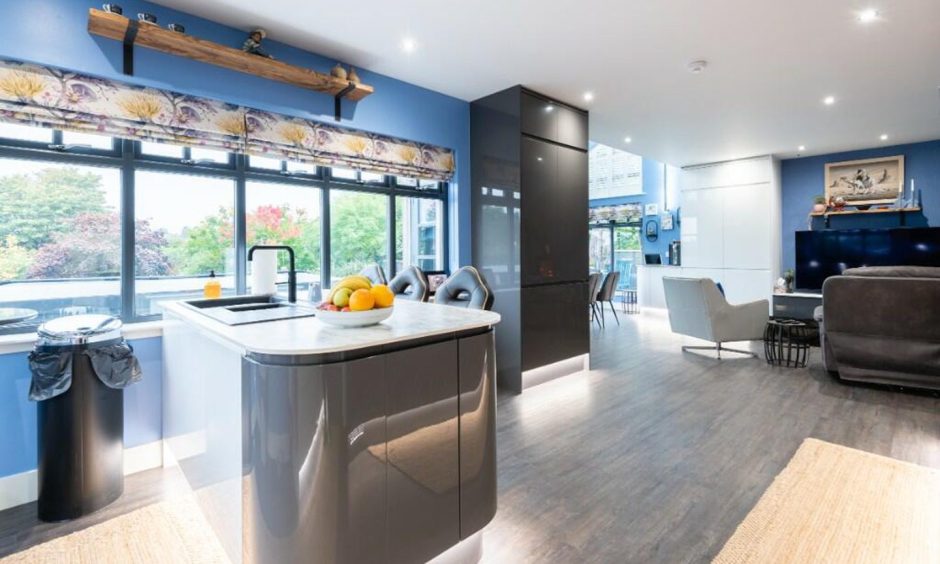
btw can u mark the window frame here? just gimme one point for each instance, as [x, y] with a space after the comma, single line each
[127, 156]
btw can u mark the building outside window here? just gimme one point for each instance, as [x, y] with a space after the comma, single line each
[419, 231]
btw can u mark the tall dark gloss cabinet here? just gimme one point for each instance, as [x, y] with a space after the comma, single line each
[529, 176]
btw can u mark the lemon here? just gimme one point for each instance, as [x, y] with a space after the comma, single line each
[383, 296]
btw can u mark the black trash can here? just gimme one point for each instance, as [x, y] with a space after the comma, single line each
[80, 365]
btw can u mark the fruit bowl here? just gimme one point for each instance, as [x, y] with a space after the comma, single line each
[354, 318]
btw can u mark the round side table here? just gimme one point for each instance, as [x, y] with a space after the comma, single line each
[787, 342]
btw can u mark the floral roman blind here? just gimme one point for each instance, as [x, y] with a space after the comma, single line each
[50, 97]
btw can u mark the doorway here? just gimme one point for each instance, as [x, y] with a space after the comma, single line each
[616, 247]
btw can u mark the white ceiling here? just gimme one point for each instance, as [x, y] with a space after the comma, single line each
[771, 62]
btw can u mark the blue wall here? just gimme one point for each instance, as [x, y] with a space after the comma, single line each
[804, 178]
[54, 32]
[142, 407]
[660, 187]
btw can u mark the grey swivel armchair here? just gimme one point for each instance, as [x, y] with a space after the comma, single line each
[375, 273]
[466, 288]
[410, 284]
[698, 309]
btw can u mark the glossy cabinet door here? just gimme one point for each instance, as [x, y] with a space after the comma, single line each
[314, 462]
[422, 452]
[477, 432]
[555, 323]
[572, 128]
[539, 117]
[554, 211]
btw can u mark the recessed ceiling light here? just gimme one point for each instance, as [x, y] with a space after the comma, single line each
[884, 136]
[588, 96]
[829, 100]
[801, 148]
[408, 44]
[627, 139]
[696, 67]
[868, 16]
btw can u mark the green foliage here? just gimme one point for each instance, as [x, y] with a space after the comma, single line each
[14, 259]
[36, 207]
[279, 225]
[358, 231]
[204, 247]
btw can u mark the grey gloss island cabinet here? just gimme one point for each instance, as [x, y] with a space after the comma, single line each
[529, 207]
[380, 453]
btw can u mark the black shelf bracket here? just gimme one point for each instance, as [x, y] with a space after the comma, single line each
[338, 100]
[130, 36]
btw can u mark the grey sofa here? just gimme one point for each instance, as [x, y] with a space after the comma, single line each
[881, 325]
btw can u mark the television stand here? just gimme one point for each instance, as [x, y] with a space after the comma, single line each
[796, 305]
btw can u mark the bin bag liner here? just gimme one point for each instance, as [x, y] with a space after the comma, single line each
[115, 365]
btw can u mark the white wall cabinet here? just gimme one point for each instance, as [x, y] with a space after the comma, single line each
[730, 230]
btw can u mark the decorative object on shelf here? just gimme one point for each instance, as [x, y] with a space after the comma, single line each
[146, 18]
[178, 28]
[837, 203]
[867, 181]
[667, 221]
[652, 209]
[353, 76]
[253, 43]
[819, 204]
[339, 72]
[652, 230]
[56, 98]
[788, 277]
[780, 286]
[113, 8]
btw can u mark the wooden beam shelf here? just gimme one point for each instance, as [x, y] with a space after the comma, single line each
[132, 32]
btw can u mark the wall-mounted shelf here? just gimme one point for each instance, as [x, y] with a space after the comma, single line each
[132, 32]
[901, 211]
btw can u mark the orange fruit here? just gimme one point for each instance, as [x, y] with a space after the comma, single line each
[383, 296]
[361, 300]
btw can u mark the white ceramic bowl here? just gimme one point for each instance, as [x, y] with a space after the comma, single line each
[354, 318]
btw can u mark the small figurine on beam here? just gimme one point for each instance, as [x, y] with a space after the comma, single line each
[253, 43]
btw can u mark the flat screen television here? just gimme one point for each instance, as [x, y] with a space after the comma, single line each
[821, 254]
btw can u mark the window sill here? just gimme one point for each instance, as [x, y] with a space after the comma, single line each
[23, 342]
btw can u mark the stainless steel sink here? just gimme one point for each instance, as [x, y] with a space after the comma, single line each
[242, 310]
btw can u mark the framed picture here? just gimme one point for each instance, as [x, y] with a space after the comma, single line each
[866, 182]
[652, 209]
[667, 221]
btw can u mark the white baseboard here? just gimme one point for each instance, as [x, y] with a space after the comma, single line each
[23, 487]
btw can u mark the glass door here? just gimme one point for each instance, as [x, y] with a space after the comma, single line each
[600, 248]
[627, 254]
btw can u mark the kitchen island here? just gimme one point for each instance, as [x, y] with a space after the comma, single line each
[310, 443]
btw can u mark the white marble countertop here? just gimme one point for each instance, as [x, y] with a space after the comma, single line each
[309, 335]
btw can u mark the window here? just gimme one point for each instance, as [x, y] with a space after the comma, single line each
[63, 223]
[185, 228]
[25, 133]
[264, 163]
[88, 140]
[281, 214]
[161, 150]
[60, 238]
[358, 232]
[419, 229]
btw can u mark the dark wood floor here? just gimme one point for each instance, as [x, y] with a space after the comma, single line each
[657, 456]
[653, 456]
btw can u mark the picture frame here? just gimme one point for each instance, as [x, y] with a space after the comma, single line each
[652, 209]
[866, 182]
[666, 221]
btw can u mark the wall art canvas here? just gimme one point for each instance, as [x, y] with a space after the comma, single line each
[866, 182]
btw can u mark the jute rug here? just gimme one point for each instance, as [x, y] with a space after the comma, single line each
[170, 532]
[835, 504]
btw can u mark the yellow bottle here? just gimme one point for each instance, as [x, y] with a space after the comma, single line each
[213, 288]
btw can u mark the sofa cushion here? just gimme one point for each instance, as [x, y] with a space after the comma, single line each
[895, 271]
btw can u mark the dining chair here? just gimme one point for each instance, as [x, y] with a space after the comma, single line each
[606, 294]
